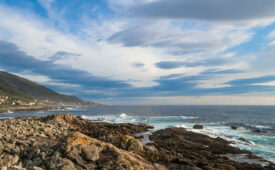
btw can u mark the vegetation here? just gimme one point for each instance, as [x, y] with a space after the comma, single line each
[25, 89]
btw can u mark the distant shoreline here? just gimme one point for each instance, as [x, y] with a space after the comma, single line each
[42, 108]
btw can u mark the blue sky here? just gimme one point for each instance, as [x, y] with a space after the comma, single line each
[144, 52]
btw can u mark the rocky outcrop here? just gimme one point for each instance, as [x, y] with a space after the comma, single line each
[177, 148]
[198, 127]
[90, 153]
[63, 141]
[59, 142]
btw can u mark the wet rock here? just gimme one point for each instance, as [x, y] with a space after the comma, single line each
[259, 131]
[234, 127]
[181, 149]
[245, 140]
[198, 127]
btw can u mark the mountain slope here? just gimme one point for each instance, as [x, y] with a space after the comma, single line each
[12, 93]
[31, 89]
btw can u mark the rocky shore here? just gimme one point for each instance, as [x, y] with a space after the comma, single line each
[63, 141]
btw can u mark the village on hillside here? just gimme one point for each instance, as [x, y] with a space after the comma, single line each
[8, 101]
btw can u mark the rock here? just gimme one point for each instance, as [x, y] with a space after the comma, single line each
[150, 148]
[259, 131]
[63, 141]
[234, 127]
[91, 153]
[35, 168]
[127, 142]
[159, 167]
[9, 160]
[198, 127]
[111, 157]
[57, 163]
[43, 135]
[181, 149]
[17, 168]
[243, 139]
[4, 168]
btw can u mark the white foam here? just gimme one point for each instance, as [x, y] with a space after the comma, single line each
[83, 117]
[212, 129]
[189, 117]
[180, 126]
[123, 115]
[263, 127]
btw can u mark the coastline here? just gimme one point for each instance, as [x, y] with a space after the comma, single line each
[63, 140]
[36, 108]
[43, 107]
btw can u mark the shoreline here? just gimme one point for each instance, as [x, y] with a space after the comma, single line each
[42, 108]
[37, 108]
[92, 144]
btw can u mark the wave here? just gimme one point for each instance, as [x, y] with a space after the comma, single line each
[83, 117]
[189, 117]
[181, 126]
[262, 127]
[10, 112]
[123, 115]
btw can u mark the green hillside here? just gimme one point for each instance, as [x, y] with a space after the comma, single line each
[12, 93]
[15, 85]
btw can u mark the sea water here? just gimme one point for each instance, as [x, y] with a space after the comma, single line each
[217, 121]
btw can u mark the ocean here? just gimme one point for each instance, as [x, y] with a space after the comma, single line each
[217, 121]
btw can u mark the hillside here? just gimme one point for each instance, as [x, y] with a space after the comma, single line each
[12, 93]
[17, 86]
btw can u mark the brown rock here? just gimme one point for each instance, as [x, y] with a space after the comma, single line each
[78, 147]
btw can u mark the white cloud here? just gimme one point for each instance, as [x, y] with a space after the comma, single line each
[270, 83]
[272, 43]
[271, 35]
[159, 41]
[195, 100]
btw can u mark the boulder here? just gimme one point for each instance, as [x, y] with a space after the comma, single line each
[127, 142]
[198, 127]
[234, 127]
[259, 131]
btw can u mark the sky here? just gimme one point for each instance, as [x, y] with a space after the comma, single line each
[144, 51]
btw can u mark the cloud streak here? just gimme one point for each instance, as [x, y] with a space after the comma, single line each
[14, 60]
[210, 10]
[159, 48]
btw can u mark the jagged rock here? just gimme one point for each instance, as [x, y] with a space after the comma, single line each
[127, 142]
[9, 160]
[181, 149]
[58, 163]
[63, 141]
[86, 151]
